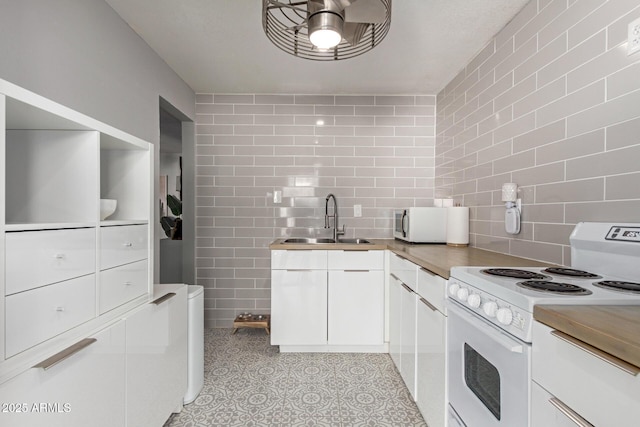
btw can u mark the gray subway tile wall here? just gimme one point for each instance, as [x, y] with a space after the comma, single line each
[561, 99]
[376, 151]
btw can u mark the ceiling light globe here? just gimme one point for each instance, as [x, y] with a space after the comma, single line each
[325, 39]
[325, 29]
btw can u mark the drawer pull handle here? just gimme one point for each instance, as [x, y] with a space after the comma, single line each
[64, 354]
[407, 287]
[569, 413]
[605, 357]
[428, 304]
[60, 309]
[128, 283]
[357, 271]
[59, 256]
[164, 298]
[128, 245]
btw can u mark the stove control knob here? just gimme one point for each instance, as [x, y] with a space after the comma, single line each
[505, 316]
[490, 308]
[453, 289]
[474, 300]
[463, 293]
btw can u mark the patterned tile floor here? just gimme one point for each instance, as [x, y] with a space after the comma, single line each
[250, 383]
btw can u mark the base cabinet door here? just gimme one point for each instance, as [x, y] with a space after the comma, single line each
[356, 307]
[408, 338]
[548, 411]
[395, 319]
[430, 374]
[156, 347]
[298, 307]
[87, 388]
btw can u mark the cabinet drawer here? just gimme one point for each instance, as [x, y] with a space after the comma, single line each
[38, 258]
[123, 244]
[404, 270]
[121, 284]
[85, 389]
[599, 392]
[298, 260]
[39, 314]
[432, 288]
[356, 260]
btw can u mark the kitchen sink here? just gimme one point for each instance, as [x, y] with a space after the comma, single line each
[355, 241]
[308, 240]
[315, 241]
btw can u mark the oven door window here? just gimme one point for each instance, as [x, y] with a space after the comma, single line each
[483, 379]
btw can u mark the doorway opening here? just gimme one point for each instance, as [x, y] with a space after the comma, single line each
[175, 225]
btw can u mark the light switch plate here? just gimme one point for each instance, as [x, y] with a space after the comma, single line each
[633, 38]
[357, 211]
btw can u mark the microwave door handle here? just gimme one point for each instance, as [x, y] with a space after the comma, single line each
[404, 217]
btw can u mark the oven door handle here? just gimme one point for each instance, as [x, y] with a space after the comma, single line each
[494, 334]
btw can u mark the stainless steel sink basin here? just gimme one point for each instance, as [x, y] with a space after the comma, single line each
[308, 240]
[356, 241]
[320, 240]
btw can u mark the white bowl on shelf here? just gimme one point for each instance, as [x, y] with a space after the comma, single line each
[107, 208]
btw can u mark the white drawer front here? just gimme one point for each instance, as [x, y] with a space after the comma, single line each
[601, 393]
[299, 260]
[38, 258]
[121, 284]
[123, 245]
[432, 288]
[356, 260]
[404, 270]
[39, 314]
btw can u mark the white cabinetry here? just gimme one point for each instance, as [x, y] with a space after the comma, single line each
[404, 277]
[327, 300]
[156, 350]
[431, 331]
[395, 318]
[67, 276]
[417, 331]
[299, 307]
[55, 166]
[87, 388]
[356, 298]
[298, 297]
[571, 382]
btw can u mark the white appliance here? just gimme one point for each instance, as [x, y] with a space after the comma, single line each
[491, 315]
[421, 225]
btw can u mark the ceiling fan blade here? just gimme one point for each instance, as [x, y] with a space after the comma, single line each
[352, 32]
[366, 11]
[294, 6]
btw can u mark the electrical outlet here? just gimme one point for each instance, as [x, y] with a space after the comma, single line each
[633, 38]
[357, 211]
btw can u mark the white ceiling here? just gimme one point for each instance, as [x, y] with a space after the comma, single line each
[218, 46]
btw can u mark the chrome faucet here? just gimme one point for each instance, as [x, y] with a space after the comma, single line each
[336, 231]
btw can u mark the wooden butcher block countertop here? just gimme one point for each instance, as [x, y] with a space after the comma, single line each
[437, 258]
[614, 329]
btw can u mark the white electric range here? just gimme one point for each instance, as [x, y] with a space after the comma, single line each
[491, 317]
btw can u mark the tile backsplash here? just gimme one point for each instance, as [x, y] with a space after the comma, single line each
[373, 151]
[552, 103]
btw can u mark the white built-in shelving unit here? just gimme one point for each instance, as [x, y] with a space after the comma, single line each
[64, 272]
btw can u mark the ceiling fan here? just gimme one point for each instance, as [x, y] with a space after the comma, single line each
[326, 29]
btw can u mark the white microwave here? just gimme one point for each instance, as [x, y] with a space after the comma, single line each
[421, 225]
